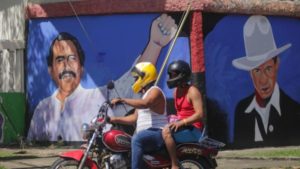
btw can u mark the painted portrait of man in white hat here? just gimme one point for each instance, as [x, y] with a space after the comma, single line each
[269, 115]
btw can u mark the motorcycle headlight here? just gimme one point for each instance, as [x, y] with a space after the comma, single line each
[85, 130]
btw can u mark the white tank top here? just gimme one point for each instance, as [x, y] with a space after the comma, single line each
[147, 118]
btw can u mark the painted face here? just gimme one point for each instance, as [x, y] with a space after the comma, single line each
[264, 78]
[66, 70]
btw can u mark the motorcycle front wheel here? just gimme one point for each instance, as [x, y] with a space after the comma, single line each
[194, 163]
[63, 163]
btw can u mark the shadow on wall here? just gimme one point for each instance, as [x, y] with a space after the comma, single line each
[216, 121]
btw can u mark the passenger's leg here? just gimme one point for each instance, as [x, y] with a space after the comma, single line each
[171, 147]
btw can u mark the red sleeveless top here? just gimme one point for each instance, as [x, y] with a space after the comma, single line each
[184, 108]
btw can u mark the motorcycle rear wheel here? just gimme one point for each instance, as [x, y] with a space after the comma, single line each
[194, 163]
[63, 163]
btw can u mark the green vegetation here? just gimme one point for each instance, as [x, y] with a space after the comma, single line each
[1, 167]
[287, 153]
[291, 152]
[4, 154]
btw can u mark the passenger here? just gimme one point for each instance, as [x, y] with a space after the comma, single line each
[189, 110]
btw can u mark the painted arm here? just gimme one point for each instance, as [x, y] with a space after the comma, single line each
[163, 30]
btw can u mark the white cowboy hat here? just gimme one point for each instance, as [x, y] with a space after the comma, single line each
[259, 44]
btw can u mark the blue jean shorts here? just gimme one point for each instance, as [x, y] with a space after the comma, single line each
[187, 134]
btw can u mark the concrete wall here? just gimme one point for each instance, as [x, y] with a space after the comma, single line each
[12, 18]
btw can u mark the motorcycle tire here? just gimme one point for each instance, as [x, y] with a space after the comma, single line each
[63, 163]
[194, 163]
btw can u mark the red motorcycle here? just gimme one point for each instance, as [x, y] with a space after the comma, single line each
[111, 149]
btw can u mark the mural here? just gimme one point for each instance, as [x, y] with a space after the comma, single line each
[252, 72]
[64, 55]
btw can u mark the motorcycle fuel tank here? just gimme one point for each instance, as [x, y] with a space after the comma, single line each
[117, 140]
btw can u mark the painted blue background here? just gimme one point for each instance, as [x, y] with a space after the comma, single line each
[111, 45]
[225, 84]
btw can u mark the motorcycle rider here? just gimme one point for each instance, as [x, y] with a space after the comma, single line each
[188, 105]
[150, 113]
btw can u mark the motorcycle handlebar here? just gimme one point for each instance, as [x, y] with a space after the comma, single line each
[102, 116]
[102, 113]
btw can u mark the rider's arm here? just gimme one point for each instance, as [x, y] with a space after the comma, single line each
[130, 119]
[194, 96]
[153, 99]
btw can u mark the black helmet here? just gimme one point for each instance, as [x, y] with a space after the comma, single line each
[179, 73]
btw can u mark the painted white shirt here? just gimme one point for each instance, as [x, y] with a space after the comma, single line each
[49, 123]
[264, 112]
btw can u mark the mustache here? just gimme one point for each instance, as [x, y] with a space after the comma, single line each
[66, 72]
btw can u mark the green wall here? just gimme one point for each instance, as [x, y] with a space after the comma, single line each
[12, 109]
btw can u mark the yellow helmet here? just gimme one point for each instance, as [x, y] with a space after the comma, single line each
[144, 73]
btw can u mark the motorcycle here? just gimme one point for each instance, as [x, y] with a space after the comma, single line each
[111, 149]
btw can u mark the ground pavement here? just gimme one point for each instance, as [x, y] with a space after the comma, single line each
[42, 158]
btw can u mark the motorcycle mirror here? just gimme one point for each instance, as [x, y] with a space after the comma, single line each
[110, 85]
